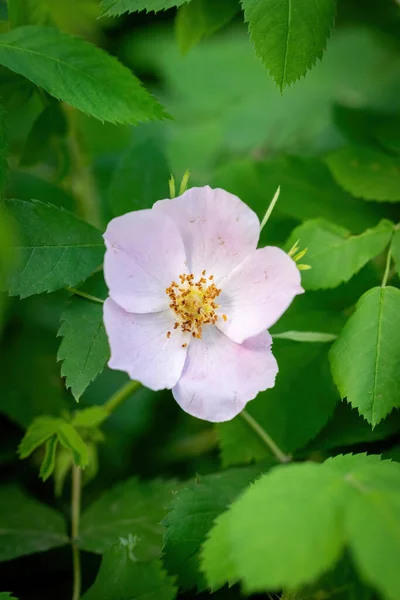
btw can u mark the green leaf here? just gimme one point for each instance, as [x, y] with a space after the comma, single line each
[57, 248]
[72, 70]
[283, 38]
[365, 360]
[122, 578]
[305, 336]
[334, 254]
[396, 249]
[373, 524]
[49, 461]
[115, 8]
[90, 417]
[291, 525]
[191, 515]
[40, 430]
[366, 172]
[27, 526]
[308, 191]
[140, 179]
[216, 559]
[72, 441]
[347, 428]
[7, 596]
[200, 19]
[292, 413]
[84, 348]
[130, 508]
[286, 528]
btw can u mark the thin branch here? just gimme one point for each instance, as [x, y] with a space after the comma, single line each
[263, 435]
[85, 295]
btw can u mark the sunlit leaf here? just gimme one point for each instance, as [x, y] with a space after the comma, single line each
[77, 72]
[283, 38]
[334, 254]
[365, 360]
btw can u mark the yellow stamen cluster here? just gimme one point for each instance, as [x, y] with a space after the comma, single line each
[194, 303]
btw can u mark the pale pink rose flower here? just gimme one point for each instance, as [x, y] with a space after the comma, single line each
[191, 300]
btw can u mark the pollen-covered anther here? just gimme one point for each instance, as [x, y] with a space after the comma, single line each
[194, 302]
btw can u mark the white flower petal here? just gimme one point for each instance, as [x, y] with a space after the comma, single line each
[217, 228]
[145, 253]
[220, 376]
[257, 293]
[140, 345]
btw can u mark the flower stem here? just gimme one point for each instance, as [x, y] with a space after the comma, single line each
[263, 435]
[121, 395]
[85, 295]
[387, 267]
[75, 516]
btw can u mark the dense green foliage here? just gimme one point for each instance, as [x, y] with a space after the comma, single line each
[108, 490]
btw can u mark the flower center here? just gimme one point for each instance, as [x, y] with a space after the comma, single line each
[194, 303]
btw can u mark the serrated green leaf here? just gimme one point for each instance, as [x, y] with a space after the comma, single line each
[292, 413]
[191, 515]
[216, 559]
[305, 336]
[57, 248]
[373, 525]
[49, 461]
[365, 360]
[334, 254]
[140, 179]
[283, 38]
[396, 249]
[72, 441]
[40, 430]
[122, 578]
[130, 508]
[366, 173]
[27, 526]
[200, 19]
[72, 70]
[84, 348]
[93, 416]
[347, 428]
[115, 8]
[291, 525]
[286, 528]
[308, 191]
